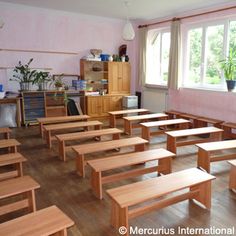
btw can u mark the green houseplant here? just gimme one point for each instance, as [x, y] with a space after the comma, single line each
[24, 75]
[229, 68]
[41, 78]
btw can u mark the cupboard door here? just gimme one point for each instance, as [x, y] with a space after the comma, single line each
[115, 103]
[94, 106]
[126, 72]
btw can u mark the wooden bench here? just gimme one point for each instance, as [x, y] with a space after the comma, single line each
[83, 149]
[5, 132]
[131, 195]
[172, 114]
[11, 144]
[204, 121]
[62, 138]
[141, 118]
[48, 129]
[232, 176]
[228, 128]
[147, 126]
[59, 119]
[114, 114]
[172, 136]
[24, 186]
[48, 221]
[206, 152]
[15, 160]
[99, 166]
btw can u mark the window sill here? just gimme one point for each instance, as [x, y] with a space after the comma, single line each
[155, 86]
[216, 90]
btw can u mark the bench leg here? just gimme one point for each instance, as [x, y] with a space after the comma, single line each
[31, 200]
[171, 144]
[232, 177]
[216, 136]
[146, 133]
[7, 135]
[203, 159]
[115, 136]
[61, 233]
[140, 147]
[165, 163]
[80, 165]
[119, 216]
[62, 151]
[41, 129]
[49, 139]
[227, 132]
[19, 169]
[127, 127]
[96, 183]
[97, 127]
[204, 195]
[112, 119]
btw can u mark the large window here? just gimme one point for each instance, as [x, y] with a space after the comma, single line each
[205, 46]
[158, 45]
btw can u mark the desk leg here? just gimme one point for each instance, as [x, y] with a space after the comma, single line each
[127, 127]
[203, 159]
[165, 164]
[112, 119]
[232, 177]
[140, 147]
[146, 133]
[7, 135]
[80, 165]
[171, 144]
[31, 199]
[19, 169]
[63, 232]
[18, 113]
[116, 136]
[62, 151]
[49, 139]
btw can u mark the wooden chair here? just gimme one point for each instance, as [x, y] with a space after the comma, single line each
[228, 128]
[132, 195]
[24, 186]
[128, 121]
[127, 160]
[11, 144]
[48, 221]
[82, 150]
[12, 159]
[49, 129]
[59, 119]
[164, 124]
[5, 132]
[173, 136]
[232, 178]
[62, 138]
[206, 152]
[114, 114]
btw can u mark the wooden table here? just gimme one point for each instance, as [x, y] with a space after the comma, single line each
[16, 101]
[206, 150]
[114, 114]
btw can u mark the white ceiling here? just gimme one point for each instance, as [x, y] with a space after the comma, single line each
[138, 9]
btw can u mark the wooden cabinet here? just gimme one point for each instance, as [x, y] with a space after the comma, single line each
[99, 106]
[119, 77]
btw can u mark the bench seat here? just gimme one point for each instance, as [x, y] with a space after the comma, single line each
[24, 186]
[206, 150]
[232, 175]
[11, 144]
[15, 159]
[141, 118]
[163, 157]
[68, 126]
[48, 221]
[146, 132]
[114, 114]
[59, 119]
[132, 195]
[83, 149]
[172, 136]
[6, 132]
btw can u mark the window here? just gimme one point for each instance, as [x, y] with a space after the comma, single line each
[206, 45]
[158, 45]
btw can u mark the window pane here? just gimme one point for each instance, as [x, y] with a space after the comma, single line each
[195, 51]
[165, 57]
[214, 53]
[232, 35]
[153, 58]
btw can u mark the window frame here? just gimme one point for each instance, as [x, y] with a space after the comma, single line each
[185, 52]
[161, 31]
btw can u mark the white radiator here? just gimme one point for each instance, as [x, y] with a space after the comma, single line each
[154, 99]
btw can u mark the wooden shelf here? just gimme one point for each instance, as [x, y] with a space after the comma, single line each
[54, 107]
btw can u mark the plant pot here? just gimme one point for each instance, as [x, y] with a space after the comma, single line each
[59, 88]
[230, 85]
[42, 86]
[25, 86]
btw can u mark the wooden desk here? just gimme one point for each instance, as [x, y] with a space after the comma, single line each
[16, 101]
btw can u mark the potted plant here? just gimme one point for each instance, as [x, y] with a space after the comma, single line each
[24, 75]
[41, 78]
[57, 82]
[229, 67]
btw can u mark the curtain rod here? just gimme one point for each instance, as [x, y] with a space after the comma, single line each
[186, 17]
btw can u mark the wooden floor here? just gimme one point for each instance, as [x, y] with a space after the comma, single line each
[62, 187]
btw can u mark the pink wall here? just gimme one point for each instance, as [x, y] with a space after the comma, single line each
[41, 29]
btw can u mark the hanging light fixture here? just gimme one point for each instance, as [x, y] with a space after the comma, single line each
[128, 31]
[1, 23]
